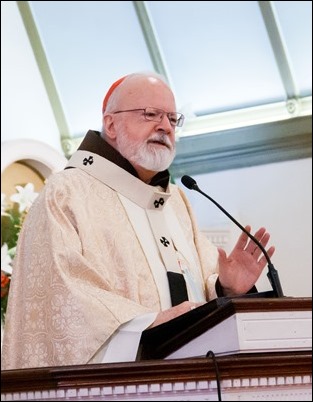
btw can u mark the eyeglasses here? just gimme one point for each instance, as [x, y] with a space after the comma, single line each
[153, 114]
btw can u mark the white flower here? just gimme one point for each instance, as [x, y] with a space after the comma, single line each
[6, 260]
[3, 205]
[25, 196]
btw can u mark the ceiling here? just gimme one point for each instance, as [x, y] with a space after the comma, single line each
[241, 71]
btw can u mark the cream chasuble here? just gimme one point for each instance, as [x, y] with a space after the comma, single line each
[155, 223]
[92, 256]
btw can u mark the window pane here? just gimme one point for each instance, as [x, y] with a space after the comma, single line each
[89, 45]
[295, 18]
[218, 53]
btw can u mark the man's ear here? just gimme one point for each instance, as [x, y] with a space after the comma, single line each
[108, 122]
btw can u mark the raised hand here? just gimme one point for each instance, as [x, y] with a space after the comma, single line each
[239, 271]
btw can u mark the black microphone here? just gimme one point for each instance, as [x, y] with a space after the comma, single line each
[272, 274]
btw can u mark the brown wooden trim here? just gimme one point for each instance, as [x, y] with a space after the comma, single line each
[272, 304]
[158, 371]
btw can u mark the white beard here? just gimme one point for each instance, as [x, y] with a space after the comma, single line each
[147, 154]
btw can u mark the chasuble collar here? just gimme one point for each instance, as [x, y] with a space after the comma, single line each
[131, 187]
[94, 143]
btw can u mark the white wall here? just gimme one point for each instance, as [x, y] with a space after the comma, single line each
[277, 196]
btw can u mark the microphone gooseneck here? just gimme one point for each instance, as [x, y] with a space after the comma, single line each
[272, 274]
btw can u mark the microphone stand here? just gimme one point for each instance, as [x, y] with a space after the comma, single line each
[272, 273]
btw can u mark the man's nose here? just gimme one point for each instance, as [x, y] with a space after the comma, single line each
[166, 121]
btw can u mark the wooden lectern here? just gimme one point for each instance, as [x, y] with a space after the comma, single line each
[246, 324]
[242, 373]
